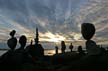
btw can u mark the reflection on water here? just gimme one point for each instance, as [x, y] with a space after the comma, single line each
[51, 52]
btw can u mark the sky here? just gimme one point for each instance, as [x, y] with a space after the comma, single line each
[56, 20]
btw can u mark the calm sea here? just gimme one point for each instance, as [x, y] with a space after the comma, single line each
[49, 48]
[46, 52]
[2, 52]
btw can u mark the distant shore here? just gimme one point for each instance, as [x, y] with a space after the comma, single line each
[48, 52]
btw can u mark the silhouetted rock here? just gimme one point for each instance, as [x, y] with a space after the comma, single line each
[71, 47]
[22, 41]
[8, 59]
[29, 46]
[21, 54]
[65, 58]
[20, 51]
[56, 49]
[92, 48]
[81, 52]
[93, 59]
[87, 30]
[103, 51]
[63, 46]
[12, 33]
[36, 50]
[12, 42]
[37, 37]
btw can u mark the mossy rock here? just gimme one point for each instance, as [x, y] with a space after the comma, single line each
[87, 30]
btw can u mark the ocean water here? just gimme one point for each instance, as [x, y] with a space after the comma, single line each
[46, 52]
[49, 52]
[2, 52]
[49, 48]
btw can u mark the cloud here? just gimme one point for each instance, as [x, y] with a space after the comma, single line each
[56, 19]
[50, 37]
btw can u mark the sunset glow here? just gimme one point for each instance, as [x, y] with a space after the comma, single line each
[56, 20]
[51, 37]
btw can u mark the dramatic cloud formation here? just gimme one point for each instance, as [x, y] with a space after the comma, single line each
[57, 20]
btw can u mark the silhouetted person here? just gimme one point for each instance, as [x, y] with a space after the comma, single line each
[63, 46]
[81, 52]
[56, 49]
[71, 47]
[88, 30]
